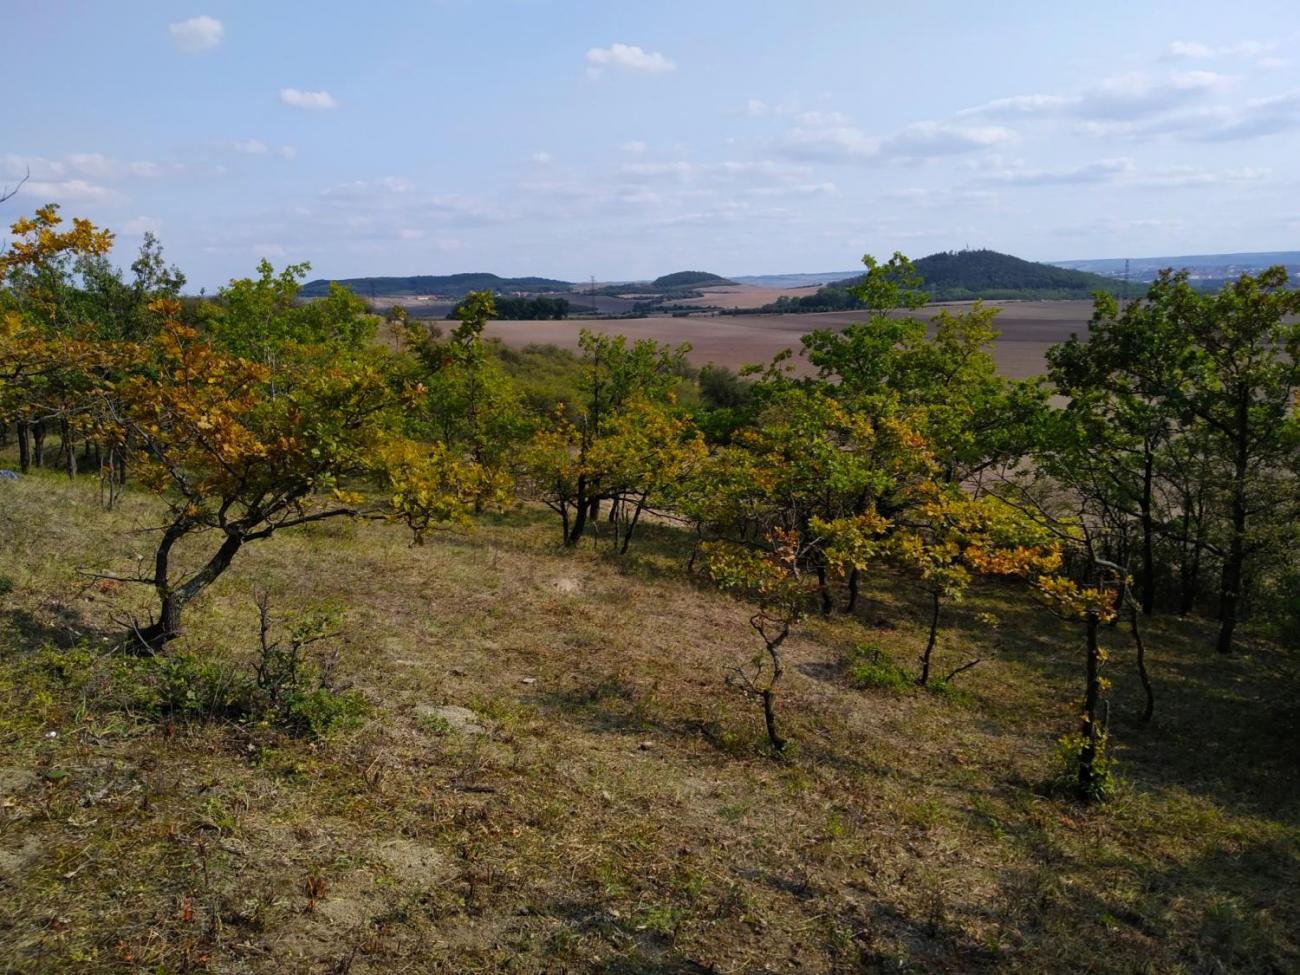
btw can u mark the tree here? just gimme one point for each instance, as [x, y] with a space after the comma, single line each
[261, 318]
[236, 460]
[947, 537]
[39, 350]
[469, 405]
[557, 467]
[1239, 377]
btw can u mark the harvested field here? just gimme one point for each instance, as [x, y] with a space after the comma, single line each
[1028, 329]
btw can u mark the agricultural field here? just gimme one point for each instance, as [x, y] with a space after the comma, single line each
[1028, 329]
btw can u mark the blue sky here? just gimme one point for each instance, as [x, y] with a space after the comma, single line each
[626, 140]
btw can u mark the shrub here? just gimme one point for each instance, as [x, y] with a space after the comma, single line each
[868, 666]
[1095, 787]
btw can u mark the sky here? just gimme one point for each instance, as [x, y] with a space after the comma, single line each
[626, 140]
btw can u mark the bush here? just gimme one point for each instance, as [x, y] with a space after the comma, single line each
[1098, 786]
[868, 666]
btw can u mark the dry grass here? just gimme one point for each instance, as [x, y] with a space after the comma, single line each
[619, 815]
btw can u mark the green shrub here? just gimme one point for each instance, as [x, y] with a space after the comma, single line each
[869, 667]
[1100, 784]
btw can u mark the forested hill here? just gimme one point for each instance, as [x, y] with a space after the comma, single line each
[690, 279]
[446, 285]
[984, 273]
[961, 275]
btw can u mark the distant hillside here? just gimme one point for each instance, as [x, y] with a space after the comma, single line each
[1205, 269]
[795, 280]
[689, 279]
[447, 285]
[962, 276]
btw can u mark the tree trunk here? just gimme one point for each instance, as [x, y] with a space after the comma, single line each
[38, 443]
[1148, 536]
[24, 445]
[769, 717]
[1234, 564]
[631, 526]
[582, 509]
[1143, 676]
[824, 590]
[172, 600]
[1091, 728]
[852, 603]
[924, 679]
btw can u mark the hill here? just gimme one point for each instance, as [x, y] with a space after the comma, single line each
[599, 794]
[963, 276]
[689, 279]
[447, 285]
[953, 275]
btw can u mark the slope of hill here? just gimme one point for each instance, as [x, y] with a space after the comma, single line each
[447, 285]
[688, 279]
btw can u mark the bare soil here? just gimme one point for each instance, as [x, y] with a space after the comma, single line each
[1028, 328]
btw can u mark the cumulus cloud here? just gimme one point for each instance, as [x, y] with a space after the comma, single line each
[308, 100]
[634, 146]
[542, 158]
[831, 137]
[626, 57]
[1130, 96]
[197, 34]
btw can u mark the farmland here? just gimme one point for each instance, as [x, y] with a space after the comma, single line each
[1028, 329]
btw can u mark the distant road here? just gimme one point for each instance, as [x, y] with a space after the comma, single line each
[1028, 329]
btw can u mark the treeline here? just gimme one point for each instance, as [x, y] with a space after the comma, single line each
[520, 309]
[1168, 484]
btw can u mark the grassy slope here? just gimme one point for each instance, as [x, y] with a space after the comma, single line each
[619, 817]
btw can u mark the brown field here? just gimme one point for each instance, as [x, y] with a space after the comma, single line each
[745, 295]
[1028, 329]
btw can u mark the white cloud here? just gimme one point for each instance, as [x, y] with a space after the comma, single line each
[1258, 51]
[1130, 96]
[197, 34]
[542, 158]
[256, 147]
[1101, 171]
[309, 100]
[830, 137]
[386, 186]
[139, 226]
[69, 189]
[627, 57]
[634, 146]
[756, 107]
[409, 233]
